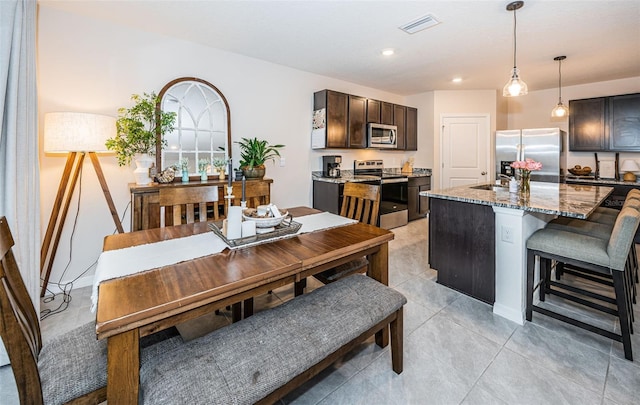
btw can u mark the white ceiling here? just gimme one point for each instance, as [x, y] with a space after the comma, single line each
[343, 39]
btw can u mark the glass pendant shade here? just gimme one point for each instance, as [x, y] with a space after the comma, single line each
[560, 110]
[515, 86]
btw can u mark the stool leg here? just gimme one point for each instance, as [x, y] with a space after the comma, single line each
[623, 312]
[545, 272]
[531, 264]
[559, 270]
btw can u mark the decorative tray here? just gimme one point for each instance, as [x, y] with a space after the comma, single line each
[287, 227]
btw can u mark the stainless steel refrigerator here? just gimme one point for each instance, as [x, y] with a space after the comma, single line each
[545, 145]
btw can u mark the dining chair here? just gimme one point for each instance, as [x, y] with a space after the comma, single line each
[180, 203]
[360, 202]
[256, 193]
[70, 368]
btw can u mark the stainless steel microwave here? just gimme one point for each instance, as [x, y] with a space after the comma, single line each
[382, 136]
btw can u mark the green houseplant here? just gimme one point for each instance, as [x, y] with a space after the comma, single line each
[137, 127]
[254, 153]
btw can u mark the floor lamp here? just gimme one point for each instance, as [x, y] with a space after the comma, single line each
[76, 134]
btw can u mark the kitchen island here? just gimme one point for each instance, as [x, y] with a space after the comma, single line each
[478, 235]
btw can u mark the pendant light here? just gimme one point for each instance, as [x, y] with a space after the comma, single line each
[560, 110]
[515, 86]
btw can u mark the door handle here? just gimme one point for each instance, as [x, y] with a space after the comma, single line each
[484, 173]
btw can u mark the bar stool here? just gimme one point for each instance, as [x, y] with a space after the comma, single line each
[602, 256]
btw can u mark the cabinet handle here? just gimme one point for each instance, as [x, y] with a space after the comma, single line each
[483, 173]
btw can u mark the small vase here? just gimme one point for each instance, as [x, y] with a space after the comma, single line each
[221, 175]
[185, 176]
[525, 183]
[203, 175]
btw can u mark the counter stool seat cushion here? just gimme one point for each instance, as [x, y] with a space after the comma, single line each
[595, 229]
[571, 245]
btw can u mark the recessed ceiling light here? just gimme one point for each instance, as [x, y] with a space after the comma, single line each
[457, 79]
[388, 52]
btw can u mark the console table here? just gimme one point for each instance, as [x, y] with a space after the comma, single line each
[145, 208]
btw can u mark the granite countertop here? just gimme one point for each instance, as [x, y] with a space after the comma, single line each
[570, 200]
[347, 175]
[570, 179]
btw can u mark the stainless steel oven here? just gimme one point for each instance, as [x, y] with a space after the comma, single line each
[394, 192]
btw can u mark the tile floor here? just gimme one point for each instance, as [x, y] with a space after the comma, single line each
[456, 351]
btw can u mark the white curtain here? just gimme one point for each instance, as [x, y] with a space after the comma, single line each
[19, 178]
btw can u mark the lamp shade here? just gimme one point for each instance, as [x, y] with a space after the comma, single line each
[77, 132]
[629, 165]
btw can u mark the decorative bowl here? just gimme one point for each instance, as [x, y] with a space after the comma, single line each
[251, 214]
[580, 172]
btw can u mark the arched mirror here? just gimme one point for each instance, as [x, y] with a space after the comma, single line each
[203, 124]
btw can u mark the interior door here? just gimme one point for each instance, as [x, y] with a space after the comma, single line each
[465, 155]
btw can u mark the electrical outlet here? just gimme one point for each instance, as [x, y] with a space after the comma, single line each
[282, 161]
[507, 234]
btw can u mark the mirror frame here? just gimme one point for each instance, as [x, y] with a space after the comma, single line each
[158, 108]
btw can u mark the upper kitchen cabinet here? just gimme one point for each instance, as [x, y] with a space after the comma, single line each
[411, 142]
[340, 121]
[379, 112]
[341, 118]
[624, 122]
[400, 121]
[605, 124]
[587, 125]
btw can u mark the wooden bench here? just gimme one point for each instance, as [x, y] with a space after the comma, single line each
[262, 358]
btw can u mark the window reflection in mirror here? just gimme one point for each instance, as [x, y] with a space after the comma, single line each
[202, 129]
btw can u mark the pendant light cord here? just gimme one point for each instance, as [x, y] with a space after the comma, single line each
[560, 81]
[515, 41]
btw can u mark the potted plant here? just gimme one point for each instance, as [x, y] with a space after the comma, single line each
[219, 164]
[137, 128]
[253, 154]
[203, 167]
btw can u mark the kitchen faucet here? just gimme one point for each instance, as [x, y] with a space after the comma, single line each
[504, 180]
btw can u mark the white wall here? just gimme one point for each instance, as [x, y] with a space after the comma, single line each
[93, 66]
[534, 111]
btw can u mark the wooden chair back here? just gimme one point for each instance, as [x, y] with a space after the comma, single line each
[181, 202]
[361, 202]
[256, 193]
[19, 326]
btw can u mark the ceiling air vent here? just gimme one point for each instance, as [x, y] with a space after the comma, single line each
[419, 24]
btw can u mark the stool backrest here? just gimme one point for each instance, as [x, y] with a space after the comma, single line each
[19, 324]
[632, 200]
[621, 238]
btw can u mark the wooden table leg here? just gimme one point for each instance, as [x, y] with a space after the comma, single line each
[379, 270]
[123, 368]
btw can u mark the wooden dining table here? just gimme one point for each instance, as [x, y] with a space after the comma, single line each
[140, 304]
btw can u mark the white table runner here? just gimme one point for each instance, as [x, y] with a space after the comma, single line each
[136, 259]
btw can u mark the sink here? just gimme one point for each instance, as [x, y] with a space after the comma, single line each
[490, 187]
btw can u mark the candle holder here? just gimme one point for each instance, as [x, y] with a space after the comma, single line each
[229, 195]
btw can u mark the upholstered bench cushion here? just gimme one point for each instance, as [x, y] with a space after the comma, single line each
[570, 245]
[244, 362]
[84, 368]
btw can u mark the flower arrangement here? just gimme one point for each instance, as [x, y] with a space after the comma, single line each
[184, 165]
[525, 167]
[219, 163]
[203, 165]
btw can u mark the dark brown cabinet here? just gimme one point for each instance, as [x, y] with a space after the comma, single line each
[462, 247]
[411, 135]
[605, 124]
[587, 126]
[624, 122]
[400, 121]
[327, 196]
[357, 122]
[346, 118]
[418, 206]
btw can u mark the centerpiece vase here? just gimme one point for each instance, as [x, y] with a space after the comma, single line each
[525, 182]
